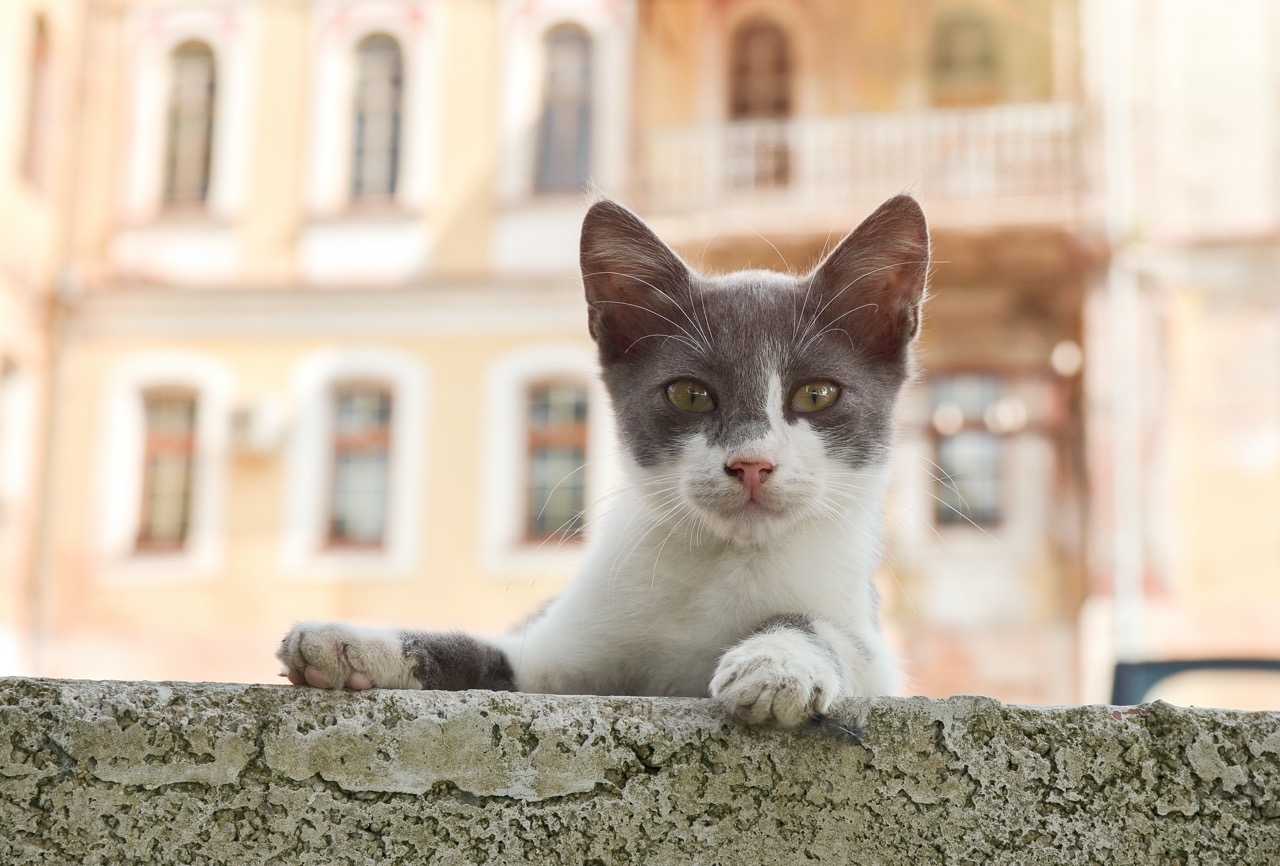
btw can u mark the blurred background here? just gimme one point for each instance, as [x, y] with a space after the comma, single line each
[291, 328]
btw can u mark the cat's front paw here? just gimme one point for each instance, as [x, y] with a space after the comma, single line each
[332, 655]
[779, 678]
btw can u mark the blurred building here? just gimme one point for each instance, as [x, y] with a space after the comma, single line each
[1184, 336]
[765, 131]
[323, 350]
[39, 63]
[304, 295]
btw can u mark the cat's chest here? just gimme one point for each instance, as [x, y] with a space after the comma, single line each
[719, 597]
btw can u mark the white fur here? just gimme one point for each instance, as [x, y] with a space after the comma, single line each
[334, 655]
[677, 581]
[784, 677]
[679, 575]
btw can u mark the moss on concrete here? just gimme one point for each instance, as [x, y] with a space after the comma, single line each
[110, 773]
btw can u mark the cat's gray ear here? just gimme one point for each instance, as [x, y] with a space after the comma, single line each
[872, 285]
[633, 281]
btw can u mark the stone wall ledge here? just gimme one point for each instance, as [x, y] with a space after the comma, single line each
[136, 773]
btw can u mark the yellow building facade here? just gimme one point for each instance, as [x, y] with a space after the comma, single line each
[239, 283]
[40, 45]
[289, 207]
[292, 326]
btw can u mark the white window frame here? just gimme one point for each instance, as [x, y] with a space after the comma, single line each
[547, 182]
[525, 25]
[338, 27]
[121, 458]
[152, 34]
[537, 232]
[304, 552]
[504, 545]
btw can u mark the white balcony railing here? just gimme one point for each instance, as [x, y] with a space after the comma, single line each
[1006, 152]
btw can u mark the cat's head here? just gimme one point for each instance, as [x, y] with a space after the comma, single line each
[755, 400]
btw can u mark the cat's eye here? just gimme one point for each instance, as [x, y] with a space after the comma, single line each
[690, 396]
[815, 396]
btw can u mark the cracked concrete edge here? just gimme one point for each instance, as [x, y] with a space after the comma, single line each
[958, 780]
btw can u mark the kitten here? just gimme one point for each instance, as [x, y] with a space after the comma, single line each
[756, 410]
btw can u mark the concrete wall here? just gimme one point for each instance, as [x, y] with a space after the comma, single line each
[100, 773]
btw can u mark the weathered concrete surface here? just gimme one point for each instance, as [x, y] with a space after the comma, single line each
[132, 773]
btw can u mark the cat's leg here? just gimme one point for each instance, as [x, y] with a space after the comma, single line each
[793, 666]
[335, 655]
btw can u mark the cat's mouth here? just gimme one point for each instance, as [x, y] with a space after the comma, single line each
[756, 505]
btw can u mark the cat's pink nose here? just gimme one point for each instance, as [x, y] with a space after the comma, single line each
[751, 473]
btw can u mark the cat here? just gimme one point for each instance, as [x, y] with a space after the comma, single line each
[756, 410]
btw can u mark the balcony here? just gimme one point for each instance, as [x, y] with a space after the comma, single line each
[1006, 165]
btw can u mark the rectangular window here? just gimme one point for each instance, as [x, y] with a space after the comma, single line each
[557, 456]
[969, 453]
[168, 469]
[361, 466]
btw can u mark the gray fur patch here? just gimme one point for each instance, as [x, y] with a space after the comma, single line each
[453, 661]
[794, 621]
[803, 623]
[850, 321]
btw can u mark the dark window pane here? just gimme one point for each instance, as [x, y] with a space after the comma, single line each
[360, 490]
[556, 493]
[375, 165]
[760, 72]
[759, 154]
[564, 128]
[966, 61]
[168, 469]
[969, 489]
[557, 459]
[188, 161]
[970, 456]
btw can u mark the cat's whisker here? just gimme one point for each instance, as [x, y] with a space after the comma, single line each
[817, 316]
[705, 343]
[959, 514]
[771, 570]
[684, 336]
[582, 466]
[948, 481]
[863, 276]
[906, 596]
[655, 521]
[657, 557]
[785, 264]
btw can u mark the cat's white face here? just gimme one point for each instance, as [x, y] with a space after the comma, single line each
[755, 401]
[761, 486]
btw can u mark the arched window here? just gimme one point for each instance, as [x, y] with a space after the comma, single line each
[192, 90]
[564, 129]
[35, 147]
[965, 61]
[759, 92]
[379, 92]
[759, 72]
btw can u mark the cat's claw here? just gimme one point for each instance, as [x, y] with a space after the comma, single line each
[761, 681]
